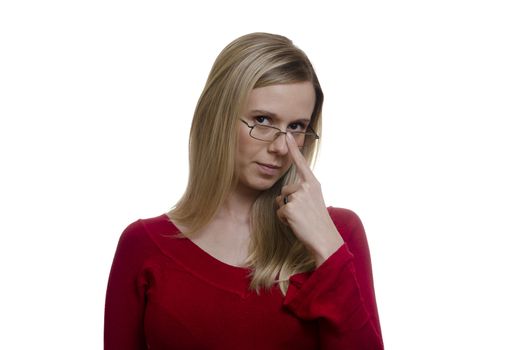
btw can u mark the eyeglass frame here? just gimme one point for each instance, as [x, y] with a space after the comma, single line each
[280, 132]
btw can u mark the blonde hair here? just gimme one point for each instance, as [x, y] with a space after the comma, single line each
[251, 61]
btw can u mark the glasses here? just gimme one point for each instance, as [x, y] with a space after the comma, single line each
[270, 133]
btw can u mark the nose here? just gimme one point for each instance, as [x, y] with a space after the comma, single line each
[279, 145]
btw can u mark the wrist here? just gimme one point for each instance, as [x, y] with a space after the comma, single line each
[327, 249]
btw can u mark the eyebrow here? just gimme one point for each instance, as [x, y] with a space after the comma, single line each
[271, 114]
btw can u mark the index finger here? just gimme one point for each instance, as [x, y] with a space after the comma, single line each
[303, 169]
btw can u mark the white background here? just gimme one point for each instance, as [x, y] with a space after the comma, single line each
[425, 137]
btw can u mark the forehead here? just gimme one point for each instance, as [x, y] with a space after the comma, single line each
[287, 101]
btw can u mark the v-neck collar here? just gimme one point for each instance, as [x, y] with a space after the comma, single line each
[194, 259]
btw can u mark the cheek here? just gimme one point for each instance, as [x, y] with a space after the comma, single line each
[245, 146]
[288, 163]
[243, 139]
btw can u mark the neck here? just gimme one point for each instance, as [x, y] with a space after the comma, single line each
[237, 205]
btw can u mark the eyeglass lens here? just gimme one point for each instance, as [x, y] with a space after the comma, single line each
[270, 134]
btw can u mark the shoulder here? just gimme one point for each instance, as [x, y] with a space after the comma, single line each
[138, 237]
[345, 219]
[349, 226]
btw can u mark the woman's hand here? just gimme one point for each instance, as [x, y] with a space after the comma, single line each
[305, 211]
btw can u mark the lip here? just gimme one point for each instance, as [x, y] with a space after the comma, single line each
[269, 169]
[270, 165]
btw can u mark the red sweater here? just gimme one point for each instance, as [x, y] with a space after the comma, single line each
[167, 293]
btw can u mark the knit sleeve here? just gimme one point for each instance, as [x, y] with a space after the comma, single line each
[339, 294]
[125, 294]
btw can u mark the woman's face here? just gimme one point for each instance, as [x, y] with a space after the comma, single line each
[260, 164]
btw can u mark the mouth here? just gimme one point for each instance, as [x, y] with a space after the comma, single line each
[271, 166]
[269, 169]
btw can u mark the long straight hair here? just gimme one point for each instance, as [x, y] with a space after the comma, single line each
[251, 61]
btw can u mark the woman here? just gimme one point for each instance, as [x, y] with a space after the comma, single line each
[250, 257]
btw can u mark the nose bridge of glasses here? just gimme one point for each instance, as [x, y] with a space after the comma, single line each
[278, 133]
[271, 134]
[299, 137]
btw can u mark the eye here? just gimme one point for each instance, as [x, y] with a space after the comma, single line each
[262, 120]
[298, 126]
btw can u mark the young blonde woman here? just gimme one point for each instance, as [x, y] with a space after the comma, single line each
[250, 257]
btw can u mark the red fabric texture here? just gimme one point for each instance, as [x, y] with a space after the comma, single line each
[167, 293]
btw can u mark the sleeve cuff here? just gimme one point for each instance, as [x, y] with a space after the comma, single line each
[310, 294]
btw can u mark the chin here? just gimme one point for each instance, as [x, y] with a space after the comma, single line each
[260, 185]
